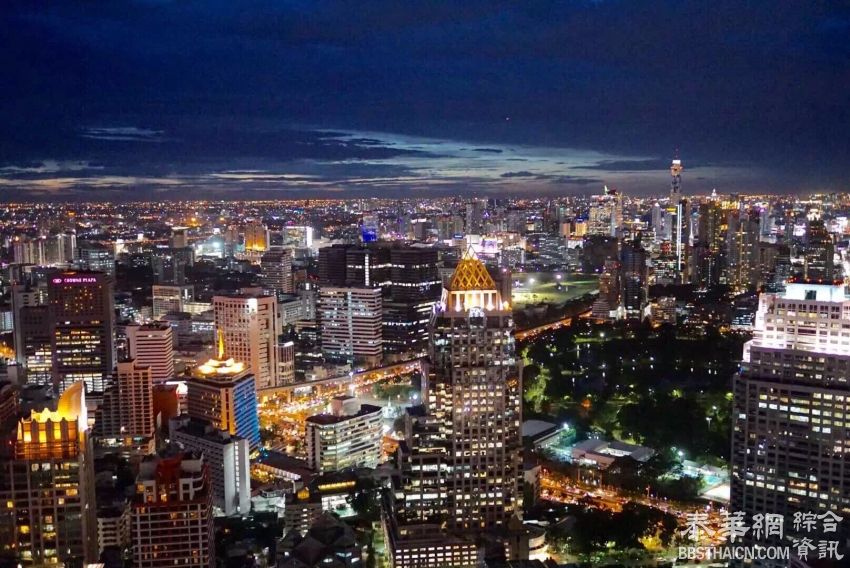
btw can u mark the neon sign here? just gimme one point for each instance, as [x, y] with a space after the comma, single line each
[75, 280]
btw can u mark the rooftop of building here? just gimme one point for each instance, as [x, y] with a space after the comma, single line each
[202, 429]
[802, 289]
[326, 419]
[471, 274]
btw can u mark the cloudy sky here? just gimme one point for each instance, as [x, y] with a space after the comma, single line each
[129, 99]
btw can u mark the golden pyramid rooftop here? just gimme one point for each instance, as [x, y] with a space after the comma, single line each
[471, 274]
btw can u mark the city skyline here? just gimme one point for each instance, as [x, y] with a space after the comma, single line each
[382, 284]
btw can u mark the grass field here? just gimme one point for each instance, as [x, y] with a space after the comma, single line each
[542, 287]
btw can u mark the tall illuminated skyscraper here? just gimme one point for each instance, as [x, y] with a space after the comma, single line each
[679, 212]
[791, 437]
[248, 325]
[152, 346]
[83, 335]
[461, 468]
[171, 518]
[32, 327]
[47, 486]
[222, 392]
[256, 237]
[276, 268]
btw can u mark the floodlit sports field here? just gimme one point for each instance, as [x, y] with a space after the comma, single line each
[542, 287]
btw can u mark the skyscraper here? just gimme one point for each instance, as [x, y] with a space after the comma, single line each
[222, 392]
[227, 457]
[350, 323]
[605, 216]
[171, 517]
[414, 288]
[169, 265]
[276, 267]
[708, 248]
[742, 250]
[248, 325]
[634, 281]
[679, 212]
[152, 346]
[256, 237]
[791, 399]
[819, 252]
[83, 335]
[32, 333]
[475, 216]
[170, 299]
[126, 412]
[96, 257]
[462, 462]
[47, 486]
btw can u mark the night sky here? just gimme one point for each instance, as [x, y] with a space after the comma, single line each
[118, 99]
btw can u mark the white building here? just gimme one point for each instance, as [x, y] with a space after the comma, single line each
[791, 401]
[249, 327]
[152, 346]
[170, 299]
[350, 324]
[227, 456]
[348, 436]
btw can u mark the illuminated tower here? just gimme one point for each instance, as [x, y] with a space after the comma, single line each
[676, 169]
[678, 209]
[47, 486]
[83, 336]
[222, 392]
[256, 237]
[249, 326]
[461, 466]
[790, 438]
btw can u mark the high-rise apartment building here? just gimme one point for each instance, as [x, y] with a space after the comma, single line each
[47, 486]
[350, 324]
[791, 403]
[169, 265]
[96, 257]
[222, 392]
[634, 279]
[248, 325]
[819, 252]
[152, 346]
[348, 436]
[83, 335]
[168, 299]
[742, 250]
[605, 216]
[126, 415]
[461, 465]
[227, 456]
[171, 516]
[32, 333]
[414, 288]
[256, 237]
[276, 271]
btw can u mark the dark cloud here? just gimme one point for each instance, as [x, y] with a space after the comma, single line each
[628, 165]
[522, 174]
[186, 88]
